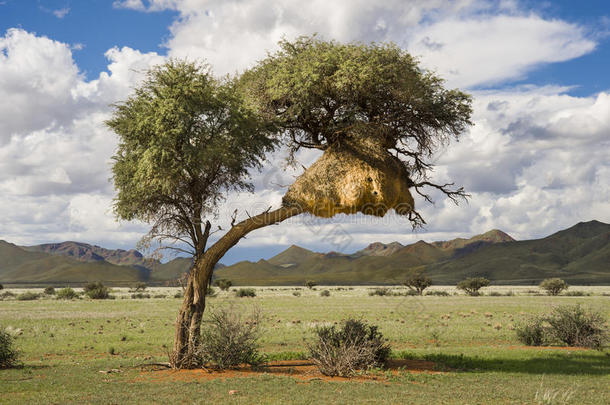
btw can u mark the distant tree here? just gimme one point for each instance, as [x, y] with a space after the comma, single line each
[49, 291]
[140, 287]
[1, 287]
[224, 284]
[417, 281]
[310, 284]
[472, 285]
[554, 286]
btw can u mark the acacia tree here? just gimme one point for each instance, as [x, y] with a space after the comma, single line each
[186, 139]
[417, 281]
[319, 91]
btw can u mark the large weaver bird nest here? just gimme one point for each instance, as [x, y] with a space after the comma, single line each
[357, 174]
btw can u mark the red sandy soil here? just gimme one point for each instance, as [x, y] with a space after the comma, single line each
[299, 369]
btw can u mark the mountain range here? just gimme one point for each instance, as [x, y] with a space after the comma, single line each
[579, 255]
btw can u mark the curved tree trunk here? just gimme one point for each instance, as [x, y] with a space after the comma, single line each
[189, 318]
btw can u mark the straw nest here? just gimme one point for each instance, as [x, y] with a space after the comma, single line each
[356, 175]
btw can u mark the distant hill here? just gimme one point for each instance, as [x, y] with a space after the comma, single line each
[91, 253]
[18, 265]
[580, 255]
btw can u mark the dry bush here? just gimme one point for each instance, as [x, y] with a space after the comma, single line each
[228, 339]
[355, 346]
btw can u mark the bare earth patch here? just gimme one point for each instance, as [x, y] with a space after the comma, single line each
[302, 370]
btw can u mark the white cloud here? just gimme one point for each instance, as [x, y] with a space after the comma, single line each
[61, 13]
[534, 161]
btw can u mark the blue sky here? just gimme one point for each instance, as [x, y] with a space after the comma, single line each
[99, 26]
[536, 160]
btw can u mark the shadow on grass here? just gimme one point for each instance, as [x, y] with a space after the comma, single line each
[589, 363]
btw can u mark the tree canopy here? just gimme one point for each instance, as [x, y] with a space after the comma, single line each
[318, 91]
[185, 139]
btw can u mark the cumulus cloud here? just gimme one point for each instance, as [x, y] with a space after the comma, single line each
[54, 147]
[534, 161]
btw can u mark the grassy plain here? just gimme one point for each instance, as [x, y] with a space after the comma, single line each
[65, 345]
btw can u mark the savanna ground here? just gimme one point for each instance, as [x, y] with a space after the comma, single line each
[463, 350]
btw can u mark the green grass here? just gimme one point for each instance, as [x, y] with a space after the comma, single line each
[65, 344]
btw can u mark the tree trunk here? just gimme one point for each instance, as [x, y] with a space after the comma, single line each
[188, 323]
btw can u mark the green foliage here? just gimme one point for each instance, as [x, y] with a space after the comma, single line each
[49, 291]
[296, 293]
[1, 287]
[28, 296]
[319, 90]
[472, 285]
[228, 340]
[185, 139]
[355, 346]
[324, 293]
[245, 292]
[8, 354]
[532, 332]
[576, 326]
[96, 291]
[310, 284]
[553, 286]
[66, 294]
[417, 281]
[224, 284]
[572, 325]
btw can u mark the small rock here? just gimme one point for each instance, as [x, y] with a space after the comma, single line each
[233, 392]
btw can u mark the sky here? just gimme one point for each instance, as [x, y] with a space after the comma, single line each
[536, 161]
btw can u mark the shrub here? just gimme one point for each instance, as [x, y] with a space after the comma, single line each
[355, 346]
[472, 285]
[245, 292]
[66, 294]
[325, 293]
[139, 295]
[310, 284]
[532, 332]
[296, 294]
[28, 296]
[438, 293]
[96, 291]
[380, 292]
[6, 294]
[139, 287]
[577, 293]
[159, 296]
[49, 291]
[210, 291]
[417, 281]
[1, 287]
[576, 326]
[571, 325]
[553, 286]
[179, 294]
[228, 340]
[8, 353]
[224, 284]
